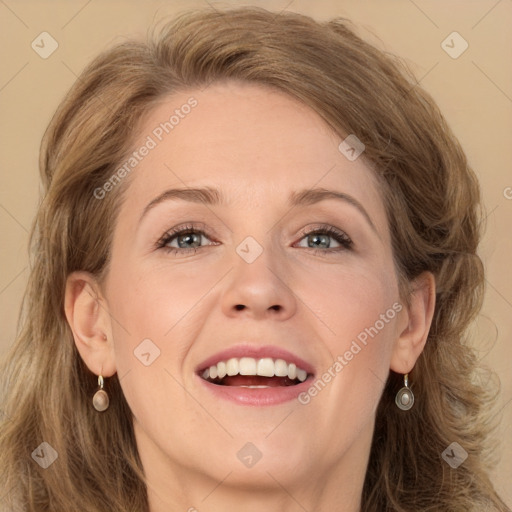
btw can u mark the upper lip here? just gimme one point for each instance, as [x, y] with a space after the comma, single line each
[257, 352]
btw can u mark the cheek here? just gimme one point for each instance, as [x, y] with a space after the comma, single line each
[150, 312]
[360, 312]
[353, 302]
[152, 304]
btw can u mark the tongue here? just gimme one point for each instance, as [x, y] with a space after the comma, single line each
[256, 380]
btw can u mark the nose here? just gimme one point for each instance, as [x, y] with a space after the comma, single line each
[260, 289]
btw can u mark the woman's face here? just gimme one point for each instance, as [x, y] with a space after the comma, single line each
[244, 283]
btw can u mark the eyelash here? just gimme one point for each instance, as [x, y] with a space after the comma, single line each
[342, 238]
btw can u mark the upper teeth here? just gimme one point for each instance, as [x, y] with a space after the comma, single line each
[265, 367]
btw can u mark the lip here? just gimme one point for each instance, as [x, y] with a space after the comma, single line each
[256, 396]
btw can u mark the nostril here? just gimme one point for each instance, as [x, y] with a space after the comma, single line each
[239, 307]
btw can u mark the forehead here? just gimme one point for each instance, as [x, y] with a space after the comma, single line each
[255, 143]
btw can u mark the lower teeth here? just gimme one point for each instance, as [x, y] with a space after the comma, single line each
[286, 383]
[253, 387]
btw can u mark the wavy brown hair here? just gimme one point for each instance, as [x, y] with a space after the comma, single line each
[433, 206]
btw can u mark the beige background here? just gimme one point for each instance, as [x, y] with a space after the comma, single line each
[474, 91]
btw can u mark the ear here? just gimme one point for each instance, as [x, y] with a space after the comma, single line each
[417, 319]
[89, 319]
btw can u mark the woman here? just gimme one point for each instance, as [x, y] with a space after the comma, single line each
[306, 350]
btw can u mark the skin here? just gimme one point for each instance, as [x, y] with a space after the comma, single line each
[256, 145]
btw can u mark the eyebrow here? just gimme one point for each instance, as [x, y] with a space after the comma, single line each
[213, 196]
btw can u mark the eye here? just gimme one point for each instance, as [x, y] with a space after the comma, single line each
[189, 238]
[182, 239]
[318, 239]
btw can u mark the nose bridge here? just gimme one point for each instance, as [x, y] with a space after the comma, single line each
[257, 261]
[258, 282]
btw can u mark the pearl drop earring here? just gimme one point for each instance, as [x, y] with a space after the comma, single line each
[404, 398]
[100, 399]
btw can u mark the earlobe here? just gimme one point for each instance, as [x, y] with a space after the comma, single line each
[418, 316]
[89, 321]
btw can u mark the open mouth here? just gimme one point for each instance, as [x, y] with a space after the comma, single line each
[248, 372]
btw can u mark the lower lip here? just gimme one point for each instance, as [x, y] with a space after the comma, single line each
[257, 396]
